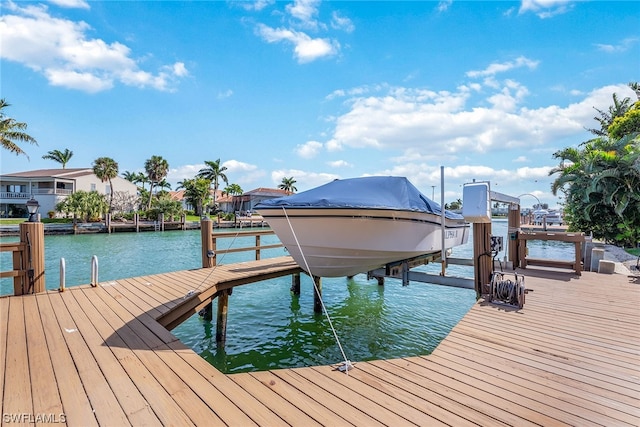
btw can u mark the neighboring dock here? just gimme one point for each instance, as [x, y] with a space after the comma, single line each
[99, 356]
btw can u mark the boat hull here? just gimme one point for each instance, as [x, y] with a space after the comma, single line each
[337, 242]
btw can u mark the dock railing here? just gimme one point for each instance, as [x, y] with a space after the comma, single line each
[576, 238]
[27, 259]
[210, 239]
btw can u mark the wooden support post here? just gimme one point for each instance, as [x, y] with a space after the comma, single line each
[31, 233]
[221, 319]
[482, 257]
[208, 247]
[380, 280]
[513, 227]
[295, 284]
[207, 312]
[136, 219]
[317, 294]
[107, 221]
[161, 221]
[208, 261]
[257, 246]
[183, 221]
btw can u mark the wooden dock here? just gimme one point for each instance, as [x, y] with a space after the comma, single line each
[99, 356]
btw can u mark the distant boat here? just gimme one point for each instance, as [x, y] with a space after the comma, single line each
[352, 226]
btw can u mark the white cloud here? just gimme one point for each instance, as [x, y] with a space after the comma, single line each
[623, 46]
[306, 49]
[497, 67]
[444, 5]
[305, 11]
[60, 50]
[419, 120]
[546, 8]
[309, 149]
[257, 5]
[225, 94]
[520, 159]
[340, 164]
[71, 4]
[340, 22]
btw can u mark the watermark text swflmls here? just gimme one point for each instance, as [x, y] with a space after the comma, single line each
[26, 417]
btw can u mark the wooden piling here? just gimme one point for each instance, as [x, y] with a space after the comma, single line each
[295, 284]
[31, 233]
[513, 227]
[208, 247]
[482, 256]
[317, 294]
[221, 318]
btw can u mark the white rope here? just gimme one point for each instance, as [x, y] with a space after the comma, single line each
[346, 366]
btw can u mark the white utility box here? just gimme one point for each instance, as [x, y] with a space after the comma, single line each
[476, 202]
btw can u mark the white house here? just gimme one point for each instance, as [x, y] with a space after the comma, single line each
[51, 186]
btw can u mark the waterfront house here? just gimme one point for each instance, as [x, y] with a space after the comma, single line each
[247, 201]
[51, 186]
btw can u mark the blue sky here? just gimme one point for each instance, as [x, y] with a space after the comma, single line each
[318, 90]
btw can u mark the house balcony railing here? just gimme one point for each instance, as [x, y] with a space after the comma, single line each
[12, 195]
[35, 191]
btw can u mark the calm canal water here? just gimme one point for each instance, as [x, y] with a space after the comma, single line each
[268, 327]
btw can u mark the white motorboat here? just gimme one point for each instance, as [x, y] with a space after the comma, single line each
[356, 225]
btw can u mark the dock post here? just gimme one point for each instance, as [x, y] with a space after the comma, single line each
[221, 319]
[295, 284]
[317, 294]
[208, 249]
[513, 227]
[31, 233]
[208, 261]
[482, 256]
[108, 222]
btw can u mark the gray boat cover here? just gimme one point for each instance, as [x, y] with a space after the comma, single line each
[373, 192]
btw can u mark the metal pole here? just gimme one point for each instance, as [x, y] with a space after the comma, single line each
[442, 221]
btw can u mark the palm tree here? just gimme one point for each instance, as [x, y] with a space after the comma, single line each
[130, 176]
[196, 192]
[61, 157]
[106, 169]
[156, 168]
[11, 132]
[233, 189]
[287, 185]
[214, 173]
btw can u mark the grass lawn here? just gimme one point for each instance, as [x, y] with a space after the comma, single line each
[634, 251]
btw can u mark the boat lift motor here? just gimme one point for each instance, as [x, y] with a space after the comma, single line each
[507, 291]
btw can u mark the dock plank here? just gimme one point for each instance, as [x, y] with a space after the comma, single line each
[135, 407]
[114, 333]
[75, 399]
[104, 403]
[46, 398]
[19, 399]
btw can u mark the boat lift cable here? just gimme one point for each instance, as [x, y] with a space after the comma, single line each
[202, 282]
[347, 363]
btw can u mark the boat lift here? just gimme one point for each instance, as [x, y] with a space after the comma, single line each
[477, 198]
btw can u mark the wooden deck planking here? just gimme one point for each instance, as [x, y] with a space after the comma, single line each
[75, 399]
[580, 402]
[415, 411]
[17, 396]
[46, 398]
[554, 362]
[114, 333]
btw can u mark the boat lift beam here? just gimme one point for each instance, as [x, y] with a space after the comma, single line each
[402, 270]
